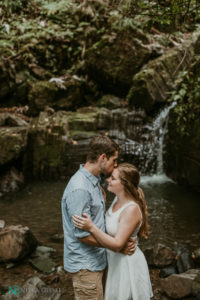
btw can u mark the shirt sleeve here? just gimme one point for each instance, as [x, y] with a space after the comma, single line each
[78, 202]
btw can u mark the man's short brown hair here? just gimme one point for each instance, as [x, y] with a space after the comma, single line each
[99, 145]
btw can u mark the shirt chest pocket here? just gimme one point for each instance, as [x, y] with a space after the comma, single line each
[97, 209]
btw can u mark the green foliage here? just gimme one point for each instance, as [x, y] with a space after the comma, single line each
[8, 7]
[51, 34]
[168, 14]
[187, 97]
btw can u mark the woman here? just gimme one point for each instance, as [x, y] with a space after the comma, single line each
[128, 276]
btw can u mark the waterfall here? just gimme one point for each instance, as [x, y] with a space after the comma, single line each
[142, 144]
[159, 130]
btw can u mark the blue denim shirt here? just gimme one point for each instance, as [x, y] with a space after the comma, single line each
[82, 194]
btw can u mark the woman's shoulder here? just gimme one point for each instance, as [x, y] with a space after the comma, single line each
[132, 209]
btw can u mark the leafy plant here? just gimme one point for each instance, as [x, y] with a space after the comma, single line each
[188, 100]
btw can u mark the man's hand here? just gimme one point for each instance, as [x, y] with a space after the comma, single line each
[130, 247]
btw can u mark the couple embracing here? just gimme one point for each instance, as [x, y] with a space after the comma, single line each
[93, 239]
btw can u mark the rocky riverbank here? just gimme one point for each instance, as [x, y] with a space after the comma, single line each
[33, 268]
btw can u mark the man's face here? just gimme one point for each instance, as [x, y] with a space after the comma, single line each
[109, 164]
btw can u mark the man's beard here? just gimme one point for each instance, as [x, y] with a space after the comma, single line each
[105, 173]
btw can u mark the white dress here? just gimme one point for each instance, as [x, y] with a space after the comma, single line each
[128, 275]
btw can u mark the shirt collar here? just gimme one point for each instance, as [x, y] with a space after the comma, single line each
[94, 179]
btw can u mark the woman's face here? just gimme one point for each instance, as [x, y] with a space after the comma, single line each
[114, 183]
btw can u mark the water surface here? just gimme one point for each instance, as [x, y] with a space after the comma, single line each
[174, 212]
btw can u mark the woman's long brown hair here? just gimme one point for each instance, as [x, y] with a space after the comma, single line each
[130, 178]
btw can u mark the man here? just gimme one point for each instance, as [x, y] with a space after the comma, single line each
[83, 256]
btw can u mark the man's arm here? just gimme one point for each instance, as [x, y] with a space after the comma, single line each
[90, 240]
[129, 248]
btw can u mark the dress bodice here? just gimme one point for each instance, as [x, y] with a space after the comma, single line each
[112, 219]
[128, 275]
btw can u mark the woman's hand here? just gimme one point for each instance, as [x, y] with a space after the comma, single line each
[82, 223]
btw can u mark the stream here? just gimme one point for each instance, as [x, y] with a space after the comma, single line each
[173, 211]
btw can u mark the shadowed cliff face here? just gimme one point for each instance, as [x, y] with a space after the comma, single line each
[182, 157]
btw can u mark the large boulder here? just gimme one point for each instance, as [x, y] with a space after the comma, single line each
[178, 286]
[66, 93]
[13, 141]
[157, 79]
[113, 60]
[160, 256]
[11, 181]
[16, 242]
[196, 286]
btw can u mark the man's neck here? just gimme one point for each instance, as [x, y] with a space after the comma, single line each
[92, 168]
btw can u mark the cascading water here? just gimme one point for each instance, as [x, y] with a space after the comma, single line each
[141, 144]
[158, 130]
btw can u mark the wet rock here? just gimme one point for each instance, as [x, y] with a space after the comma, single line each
[58, 141]
[43, 251]
[34, 288]
[113, 66]
[196, 286]
[10, 265]
[157, 79]
[154, 82]
[2, 224]
[184, 259]
[16, 242]
[111, 102]
[43, 264]
[58, 238]
[13, 120]
[196, 256]
[11, 181]
[178, 286]
[67, 93]
[7, 119]
[53, 142]
[160, 256]
[41, 260]
[165, 272]
[13, 141]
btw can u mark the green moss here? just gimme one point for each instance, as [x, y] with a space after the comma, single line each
[85, 121]
[187, 110]
[78, 134]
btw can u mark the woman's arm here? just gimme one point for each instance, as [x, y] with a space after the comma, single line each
[127, 224]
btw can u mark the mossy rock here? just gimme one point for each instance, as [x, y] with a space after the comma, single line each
[66, 93]
[13, 141]
[111, 102]
[156, 80]
[112, 65]
[57, 139]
